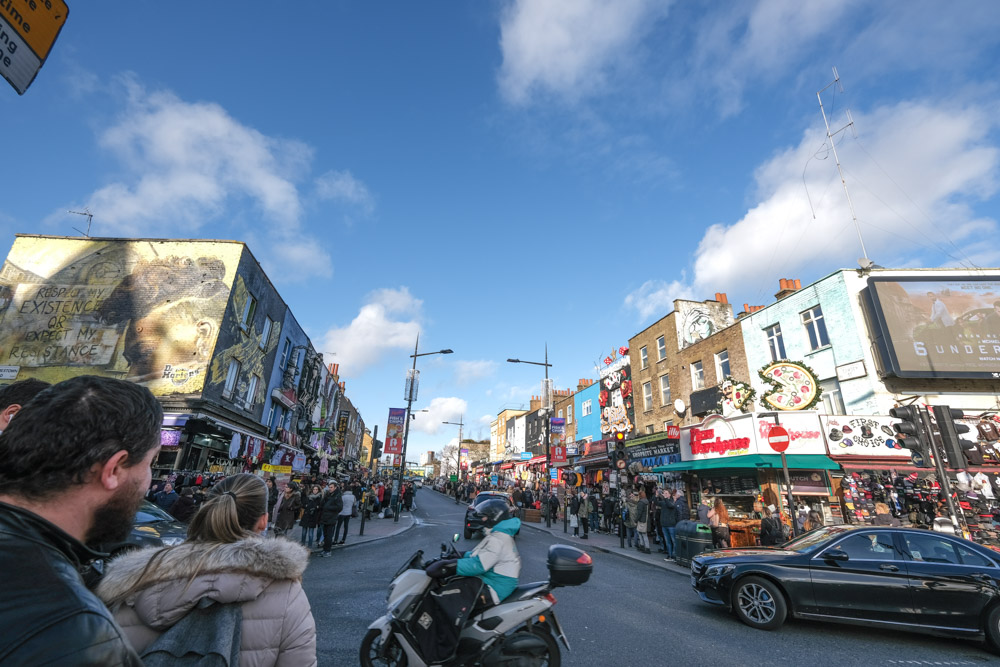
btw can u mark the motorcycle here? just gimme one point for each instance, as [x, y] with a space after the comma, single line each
[520, 631]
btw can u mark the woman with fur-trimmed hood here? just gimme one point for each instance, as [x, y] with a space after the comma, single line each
[226, 560]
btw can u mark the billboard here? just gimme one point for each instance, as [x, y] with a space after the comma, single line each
[394, 431]
[862, 435]
[615, 396]
[937, 326]
[143, 310]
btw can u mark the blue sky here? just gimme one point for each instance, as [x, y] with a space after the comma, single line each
[498, 175]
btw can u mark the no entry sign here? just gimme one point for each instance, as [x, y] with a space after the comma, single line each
[777, 437]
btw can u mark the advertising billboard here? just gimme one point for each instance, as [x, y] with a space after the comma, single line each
[394, 431]
[937, 326]
[615, 397]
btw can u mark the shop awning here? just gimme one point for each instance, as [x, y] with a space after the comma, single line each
[796, 461]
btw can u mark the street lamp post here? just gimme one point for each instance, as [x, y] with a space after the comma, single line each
[406, 429]
[547, 409]
[458, 460]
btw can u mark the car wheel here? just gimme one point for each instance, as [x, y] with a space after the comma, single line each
[468, 534]
[759, 603]
[992, 628]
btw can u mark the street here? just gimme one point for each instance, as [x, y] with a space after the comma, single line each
[629, 613]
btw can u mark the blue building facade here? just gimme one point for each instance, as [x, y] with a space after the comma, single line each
[587, 413]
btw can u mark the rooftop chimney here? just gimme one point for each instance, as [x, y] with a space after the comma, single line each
[721, 297]
[787, 286]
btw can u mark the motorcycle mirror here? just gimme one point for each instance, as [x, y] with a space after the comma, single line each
[455, 538]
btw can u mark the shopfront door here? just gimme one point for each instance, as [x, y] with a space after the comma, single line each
[871, 584]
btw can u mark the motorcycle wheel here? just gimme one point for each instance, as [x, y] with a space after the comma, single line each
[552, 656]
[370, 646]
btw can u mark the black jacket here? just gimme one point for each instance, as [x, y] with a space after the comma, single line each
[668, 512]
[48, 615]
[333, 503]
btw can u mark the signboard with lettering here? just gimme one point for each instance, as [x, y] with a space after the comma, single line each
[394, 432]
[28, 29]
[862, 435]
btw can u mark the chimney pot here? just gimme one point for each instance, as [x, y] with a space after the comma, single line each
[798, 284]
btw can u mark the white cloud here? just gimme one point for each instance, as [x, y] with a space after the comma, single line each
[656, 297]
[567, 47]
[342, 186]
[440, 410]
[467, 372]
[379, 328]
[187, 161]
[486, 420]
[301, 259]
[914, 198]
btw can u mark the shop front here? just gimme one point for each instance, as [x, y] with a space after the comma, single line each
[201, 443]
[730, 460]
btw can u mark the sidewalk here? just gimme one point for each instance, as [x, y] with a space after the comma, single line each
[375, 529]
[611, 544]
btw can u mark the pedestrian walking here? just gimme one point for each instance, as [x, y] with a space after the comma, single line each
[333, 503]
[225, 561]
[608, 512]
[771, 529]
[310, 515]
[641, 521]
[344, 518]
[718, 518]
[76, 462]
[287, 510]
[272, 499]
[668, 522]
[593, 503]
[578, 509]
[631, 504]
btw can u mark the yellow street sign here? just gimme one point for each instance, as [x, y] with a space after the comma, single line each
[38, 22]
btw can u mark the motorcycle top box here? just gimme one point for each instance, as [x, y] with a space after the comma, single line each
[568, 566]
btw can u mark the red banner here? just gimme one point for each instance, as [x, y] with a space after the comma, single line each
[394, 434]
[558, 454]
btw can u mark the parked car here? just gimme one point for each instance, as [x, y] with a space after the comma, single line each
[472, 523]
[152, 528]
[894, 578]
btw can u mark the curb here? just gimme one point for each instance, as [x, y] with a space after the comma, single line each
[369, 540]
[620, 554]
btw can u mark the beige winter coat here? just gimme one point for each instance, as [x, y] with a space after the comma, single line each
[264, 574]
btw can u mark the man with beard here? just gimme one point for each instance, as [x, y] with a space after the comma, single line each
[73, 468]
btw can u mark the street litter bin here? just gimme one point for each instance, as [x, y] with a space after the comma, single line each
[691, 538]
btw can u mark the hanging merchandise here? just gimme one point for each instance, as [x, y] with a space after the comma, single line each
[235, 445]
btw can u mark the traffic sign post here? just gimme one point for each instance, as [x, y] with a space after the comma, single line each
[778, 439]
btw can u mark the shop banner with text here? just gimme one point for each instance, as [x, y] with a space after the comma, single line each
[394, 432]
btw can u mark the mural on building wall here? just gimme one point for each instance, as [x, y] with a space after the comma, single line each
[146, 311]
[791, 386]
[697, 321]
[615, 396]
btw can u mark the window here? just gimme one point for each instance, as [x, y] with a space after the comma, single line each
[775, 342]
[248, 310]
[665, 390]
[569, 414]
[270, 416]
[560, 414]
[721, 366]
[265, 335]
[931, 549]
[697, 376]
[833, 401]
[661, 348]
[585, 408]
[251, 397]
[815, 326]
[668, 422]
[869, 546]
[649, 429]
[284, 354]
[647, 396]
[231, 376]
[643, 357]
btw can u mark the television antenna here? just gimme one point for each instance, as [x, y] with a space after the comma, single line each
[90, 219]
[833, 147]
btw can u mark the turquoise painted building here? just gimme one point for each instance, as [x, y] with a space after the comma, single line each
[588, 413]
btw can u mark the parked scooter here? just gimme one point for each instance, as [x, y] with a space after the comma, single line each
[522, 630]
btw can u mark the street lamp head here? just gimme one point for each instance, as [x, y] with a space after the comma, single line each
[513, 361]
[445, 352]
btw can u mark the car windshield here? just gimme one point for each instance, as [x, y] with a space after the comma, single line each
[150, 513]
[815, 539]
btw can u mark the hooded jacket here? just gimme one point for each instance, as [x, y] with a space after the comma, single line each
[495, 560]
[48, 615]
[262, 574]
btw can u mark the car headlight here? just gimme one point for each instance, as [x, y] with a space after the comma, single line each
[172, 541]
[719, 570]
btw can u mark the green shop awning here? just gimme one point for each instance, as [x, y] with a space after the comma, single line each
[795, 461]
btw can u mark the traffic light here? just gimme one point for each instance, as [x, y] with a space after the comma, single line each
[954, 446]
[618, 456]
[911, 434]
[376, 449]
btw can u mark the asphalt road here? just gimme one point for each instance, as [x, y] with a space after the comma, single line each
[629, 613]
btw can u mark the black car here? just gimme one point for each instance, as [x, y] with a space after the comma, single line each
[152, 528]
[472, 523]
[897, 578]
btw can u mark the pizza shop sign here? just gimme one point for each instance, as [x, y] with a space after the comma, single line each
[718, 437]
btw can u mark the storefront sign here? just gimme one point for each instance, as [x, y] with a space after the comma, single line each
[276, 470]
[615, 396]
[861, 435]
[851, 371]
[394, 432]
[558, 454]
[718, 437]
[793, 386]
[525, 456]
[804, 432]
[572, 450]
[808, 481]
